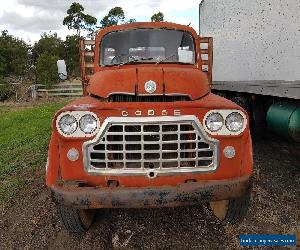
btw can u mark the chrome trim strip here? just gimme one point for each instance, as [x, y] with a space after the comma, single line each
[162, 120]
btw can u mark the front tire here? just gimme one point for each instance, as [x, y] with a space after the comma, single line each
[231, 211]
[75, 220]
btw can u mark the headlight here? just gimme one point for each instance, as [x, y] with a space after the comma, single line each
[88, 124]
[77, 123]
[67, 124]
[234, 122]
[214, 122]
[225, 122]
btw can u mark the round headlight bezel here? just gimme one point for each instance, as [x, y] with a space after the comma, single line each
[61, 124]
[221, 120]
[224, 130]
[82, 120]
[78, 132]
[228, 126]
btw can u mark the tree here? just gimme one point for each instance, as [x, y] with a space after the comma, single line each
[45, 54]
[71, 55]
[158, 17]
[115, 16]
[50, 44]
[77, 19]
[46, 68]
[131, 20]
[14, 55]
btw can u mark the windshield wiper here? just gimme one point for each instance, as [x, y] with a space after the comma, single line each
[144, 59]
[166, 58]
[136, 60]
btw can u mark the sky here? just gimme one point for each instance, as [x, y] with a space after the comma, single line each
[28, 19]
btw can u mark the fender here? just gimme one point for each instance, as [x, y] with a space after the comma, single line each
[52, 166]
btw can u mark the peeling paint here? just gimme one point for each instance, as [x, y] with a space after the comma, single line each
[165, 196]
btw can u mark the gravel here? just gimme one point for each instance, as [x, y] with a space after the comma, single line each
[31, 222]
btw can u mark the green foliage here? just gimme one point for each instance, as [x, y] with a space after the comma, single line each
[49, 44]
[24, 141]
[6, 92]
[13, 55]
[71, 55]
[158, 17]
[131, 20]
[46, 68]
[52, 45]
[114, 17]
[77, 19]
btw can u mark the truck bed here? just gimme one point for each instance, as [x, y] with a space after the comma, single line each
[288, 89]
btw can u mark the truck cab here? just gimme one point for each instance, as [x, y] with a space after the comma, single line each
[148, 132]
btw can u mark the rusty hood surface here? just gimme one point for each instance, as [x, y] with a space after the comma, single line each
[169, 81]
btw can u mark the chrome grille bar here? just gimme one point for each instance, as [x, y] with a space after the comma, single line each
[164, 145]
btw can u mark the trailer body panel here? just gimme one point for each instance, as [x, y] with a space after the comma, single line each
[254, 41]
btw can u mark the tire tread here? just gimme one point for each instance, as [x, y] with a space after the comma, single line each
[70, 219]
[237, 210]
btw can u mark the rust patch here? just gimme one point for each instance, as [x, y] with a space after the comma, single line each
[164, 196]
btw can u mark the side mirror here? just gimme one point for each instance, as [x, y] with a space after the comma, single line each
[62, 69]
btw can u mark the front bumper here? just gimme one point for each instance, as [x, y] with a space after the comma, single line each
[162, 196]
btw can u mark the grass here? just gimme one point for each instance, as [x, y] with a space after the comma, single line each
[24, 138]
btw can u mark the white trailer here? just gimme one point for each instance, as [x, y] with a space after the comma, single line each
[256, 58]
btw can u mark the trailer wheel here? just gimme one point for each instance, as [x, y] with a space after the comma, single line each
[75, 220]
[243, 102]
[231, 211]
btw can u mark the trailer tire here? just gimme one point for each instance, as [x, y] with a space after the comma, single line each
[258, 125]
[231, 211]
[75, 220]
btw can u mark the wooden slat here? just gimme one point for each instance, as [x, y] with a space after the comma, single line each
[89, 53]
[210, 58]
[86, 53]
[60, 90]
[82, 58]
[89, 65]
[207, 60]
[204, 39]
[89, 42]
[68, 85]
[62, 85]
[59, 94]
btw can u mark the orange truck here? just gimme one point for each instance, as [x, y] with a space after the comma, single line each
[148, 132]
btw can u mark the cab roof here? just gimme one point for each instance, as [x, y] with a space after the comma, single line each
[149, 25]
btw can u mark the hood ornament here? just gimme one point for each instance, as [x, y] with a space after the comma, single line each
[150, 86]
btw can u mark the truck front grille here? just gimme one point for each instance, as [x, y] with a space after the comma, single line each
[158, 144]
[147, 98]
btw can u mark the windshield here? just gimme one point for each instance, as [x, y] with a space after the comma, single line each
[147, 46]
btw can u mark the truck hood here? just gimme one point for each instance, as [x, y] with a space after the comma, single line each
[169, 81]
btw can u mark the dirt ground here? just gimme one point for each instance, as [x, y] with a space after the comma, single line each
[31, 222]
